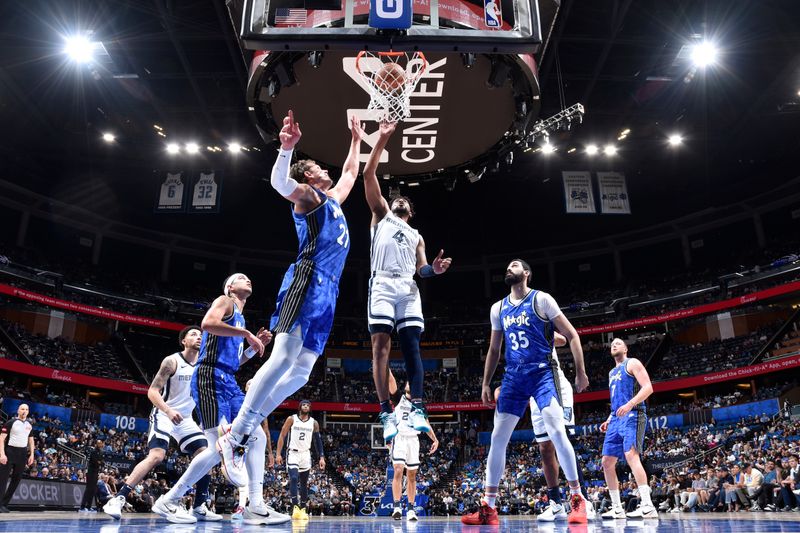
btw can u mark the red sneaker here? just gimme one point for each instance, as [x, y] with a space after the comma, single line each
[578, 513]
[484, 516]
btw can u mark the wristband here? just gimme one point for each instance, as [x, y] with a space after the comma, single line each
[427, 271]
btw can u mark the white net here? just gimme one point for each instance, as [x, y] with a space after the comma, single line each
[391, 78]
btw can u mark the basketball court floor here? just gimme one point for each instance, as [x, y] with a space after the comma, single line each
[68, 522]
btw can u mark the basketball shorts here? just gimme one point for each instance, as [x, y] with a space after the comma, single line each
[307, 298]
[538, 383]
[394, 302]
[405, 451]
[216, 395]
[186, 433]
[567, 402]
[625, 433]
[299, 460]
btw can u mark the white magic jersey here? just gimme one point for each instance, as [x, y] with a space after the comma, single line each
[300, 438]
[177, 391]
[403, 413]
[394, 246]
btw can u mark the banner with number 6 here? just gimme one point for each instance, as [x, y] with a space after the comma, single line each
[170, 198]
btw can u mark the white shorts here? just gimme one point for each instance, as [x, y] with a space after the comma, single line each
[567, 402]
[187, 433]
[405, 451]
[394, 302]
[298, 460]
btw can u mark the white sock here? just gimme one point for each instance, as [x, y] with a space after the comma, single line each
[198, 467]
[644, 496]
[553, 417]
[254, 462]
[490, 499]
[242, 497]
[615, 501]
[286, 348]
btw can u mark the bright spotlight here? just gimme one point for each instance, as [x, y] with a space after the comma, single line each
[591, 149]
[548, 148]
[675, 139]
[610, 150]
[192, 148]
[173, 148]
[704, 54]
[79, 48]
[234, 148]
[109, 137]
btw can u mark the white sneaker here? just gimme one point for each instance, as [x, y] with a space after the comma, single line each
[591, 514]
[172, 512]
[113, 507]
[233, 456]
[419, 420]
[411, 515]
[615, 513]
[397, 513]
[664, 506]
[238, 514]
[643, 512]
[675, 510]
[204, 514]
[263, 514]
[554, 511]
[389, 422]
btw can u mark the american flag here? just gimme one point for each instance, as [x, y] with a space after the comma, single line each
[290, 17]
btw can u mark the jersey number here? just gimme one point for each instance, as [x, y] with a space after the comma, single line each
[614, 386]
[518, 340]
[344, 238]
[400, 237]
[204, 191]
[302, 436]
[405, 417]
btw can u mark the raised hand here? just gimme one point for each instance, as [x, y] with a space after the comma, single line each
[265, 336]
[290, 132]
[255, 343]
[387, 128]
[440, 265]
[357, 129]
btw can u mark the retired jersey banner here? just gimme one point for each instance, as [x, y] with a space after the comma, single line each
[614, 199]
[578, 193]
[206, 193]
[171, 194]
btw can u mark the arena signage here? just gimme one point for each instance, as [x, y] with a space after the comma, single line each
[33, 492]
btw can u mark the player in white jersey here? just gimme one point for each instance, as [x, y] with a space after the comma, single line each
[304, 429]
[172, 417]
[397, 252]
[404, 451]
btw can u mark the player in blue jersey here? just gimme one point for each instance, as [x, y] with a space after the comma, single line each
[307, 297]
[218, 398]
[629, 385]
[527, 320]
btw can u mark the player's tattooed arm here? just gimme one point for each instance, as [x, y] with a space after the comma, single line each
[165, 371]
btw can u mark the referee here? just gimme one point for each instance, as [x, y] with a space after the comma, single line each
[15, 439]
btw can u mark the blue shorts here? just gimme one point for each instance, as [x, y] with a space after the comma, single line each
[625, 433]
[307, 298]
[525, 382]
[216, 395]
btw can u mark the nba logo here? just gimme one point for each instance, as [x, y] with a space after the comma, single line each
[493, 16]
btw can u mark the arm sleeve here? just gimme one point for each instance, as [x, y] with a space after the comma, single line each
[280, 179]
[494, 317]
[318, 444]
[546, 305]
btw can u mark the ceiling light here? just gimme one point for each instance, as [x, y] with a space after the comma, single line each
[610, 150]
[675, 139]
[79, 48]
[192, 148]
[704, 54]
[626, 131]
[173, 148]
[234, 148]
[108, 137]
[571, 150]
[548, 148]
[591, 149]
[159, 128]
[161, 133]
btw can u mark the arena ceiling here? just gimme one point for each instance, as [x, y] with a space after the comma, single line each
[176, 64]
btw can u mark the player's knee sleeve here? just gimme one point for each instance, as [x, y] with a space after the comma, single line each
[553, 418]
[291, 381]
[304, 485]
[293, 479]
[504, 424]
[409, 346]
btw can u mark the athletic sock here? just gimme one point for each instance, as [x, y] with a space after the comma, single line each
[202, 491]
[397, 504]
[554, 493]
[386, 407]
[615, 501]
[125, 490]
[644, 496]
[490, 498]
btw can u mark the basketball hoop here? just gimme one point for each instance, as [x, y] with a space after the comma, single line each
[391, 78]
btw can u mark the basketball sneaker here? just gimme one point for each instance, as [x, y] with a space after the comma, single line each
[411, 515]
[204, 514]
[113, 507]
[299, 513]
[172, 511]
[643, 512]
[485, 516]
[397, 513]
[554, 511]
[389, 422]
[578, 513]
[257, 514]
[238, 514]
[615, 513]
[419, 420]
[233, 456]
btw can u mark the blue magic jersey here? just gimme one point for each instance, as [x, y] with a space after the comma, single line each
[623, 387]
[324, 236]
[528, 335]
[223, 352]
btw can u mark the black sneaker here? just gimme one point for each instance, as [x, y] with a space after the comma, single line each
[4, 509]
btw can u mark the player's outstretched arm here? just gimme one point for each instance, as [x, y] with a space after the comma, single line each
[167, 368]
[350, 167]
[281, 438]
[213, 323]
[638, 371]
[298, 193]
[434, 441]
[377, 203]
[439, 266]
